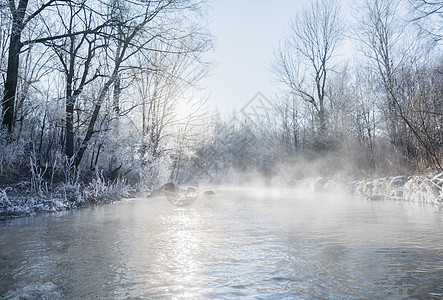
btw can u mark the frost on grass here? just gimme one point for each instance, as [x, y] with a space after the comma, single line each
[418, 188]
[27, 199]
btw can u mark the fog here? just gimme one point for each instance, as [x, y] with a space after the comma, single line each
[119, 181]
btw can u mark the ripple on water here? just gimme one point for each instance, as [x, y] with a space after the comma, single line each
[227, 248]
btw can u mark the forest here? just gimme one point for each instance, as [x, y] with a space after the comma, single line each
[104, 99]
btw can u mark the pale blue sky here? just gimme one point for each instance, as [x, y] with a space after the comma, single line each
[247, 32]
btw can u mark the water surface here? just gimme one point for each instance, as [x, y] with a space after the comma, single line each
[239, 244]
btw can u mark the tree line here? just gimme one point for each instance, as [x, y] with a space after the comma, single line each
[112, 86]
[95, 85]
[360, 93]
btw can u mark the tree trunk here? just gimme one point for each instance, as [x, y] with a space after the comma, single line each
[117, 86]
[13, 63]
[70, 101]
[90, 130]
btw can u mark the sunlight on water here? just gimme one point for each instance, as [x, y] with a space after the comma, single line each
[263, 244]
[178, 260]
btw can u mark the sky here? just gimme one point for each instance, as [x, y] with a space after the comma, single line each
[246, 34]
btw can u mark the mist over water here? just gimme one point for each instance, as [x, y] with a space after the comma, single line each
[242, 242]
[331, 188]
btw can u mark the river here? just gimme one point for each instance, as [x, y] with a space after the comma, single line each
[238, 244]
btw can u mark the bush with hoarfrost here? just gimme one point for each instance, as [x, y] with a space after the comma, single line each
[11, 153]
[100, 188]
[416, 188]
[28, 204]
[5, 203]
[154, 173]
[425, 188]
[39, 196]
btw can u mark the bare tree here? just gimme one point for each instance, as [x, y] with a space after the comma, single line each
[75, 54]
[21, 18]
[290, 124]
[304, 61]
[147, 23]
[429, 16]
[420, 88]
[365, 117]
[17, 25]
[385, 36]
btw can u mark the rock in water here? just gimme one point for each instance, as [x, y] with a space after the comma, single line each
[180, 196]
[156, 193]
[376, 198]
[208, 193]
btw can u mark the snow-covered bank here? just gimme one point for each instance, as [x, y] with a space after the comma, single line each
[418, 188]
[22, 199]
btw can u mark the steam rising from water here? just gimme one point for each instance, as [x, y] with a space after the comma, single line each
[256, 242]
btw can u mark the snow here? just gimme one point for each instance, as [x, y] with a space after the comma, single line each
[24, 201]
[418, 188]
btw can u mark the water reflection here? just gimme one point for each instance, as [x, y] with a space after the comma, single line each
[231, 246]
[177, 261]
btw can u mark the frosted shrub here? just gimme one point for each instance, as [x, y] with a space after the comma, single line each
[11, 153]
[38, 184]
[154, 174]
[117, 189]
[425, 189]
[376, 187]
[437, 181]
[96, 188]
[417, 188]
[5, 203]
[27, 204]
[413, 189]
[70, 193]
[71, 173]
[395, 187]
[100, 188]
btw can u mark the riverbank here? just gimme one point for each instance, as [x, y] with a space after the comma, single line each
[416, 188]
[22, 198]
